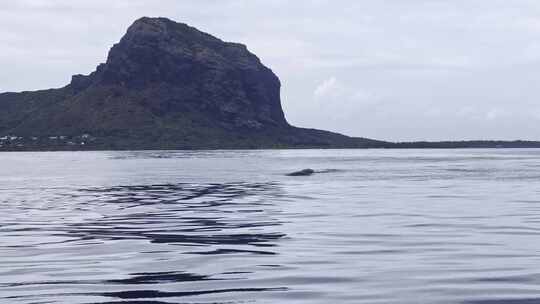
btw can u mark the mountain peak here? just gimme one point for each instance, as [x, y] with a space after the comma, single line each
[157, 50]
[146, 26]
[156, 27]
[154, 20]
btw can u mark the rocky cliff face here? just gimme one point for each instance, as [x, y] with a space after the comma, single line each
[164, 85]
[199, 70]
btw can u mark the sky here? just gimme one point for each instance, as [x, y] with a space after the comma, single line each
[395, 70]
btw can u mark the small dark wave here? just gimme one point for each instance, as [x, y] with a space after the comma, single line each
[231, 251]
[155, 302]
[154, 294]
[142, 294]
[134, 279]
[141, 302]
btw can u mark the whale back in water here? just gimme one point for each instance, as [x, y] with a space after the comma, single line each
[305, 172]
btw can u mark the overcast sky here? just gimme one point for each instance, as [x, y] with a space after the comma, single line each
[385, 69]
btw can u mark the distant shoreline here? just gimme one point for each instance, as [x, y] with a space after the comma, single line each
[422, 145]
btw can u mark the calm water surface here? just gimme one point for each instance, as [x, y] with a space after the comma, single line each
[375, 226]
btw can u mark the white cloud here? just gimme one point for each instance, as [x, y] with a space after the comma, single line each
[343, 94]
[328, 88]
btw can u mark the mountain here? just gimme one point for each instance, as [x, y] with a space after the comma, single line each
[165, 85]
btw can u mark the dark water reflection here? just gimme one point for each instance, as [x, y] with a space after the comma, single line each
[186, 214]
[116, 225]
[458, 226]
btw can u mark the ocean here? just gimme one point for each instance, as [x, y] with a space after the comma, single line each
[370, 226]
